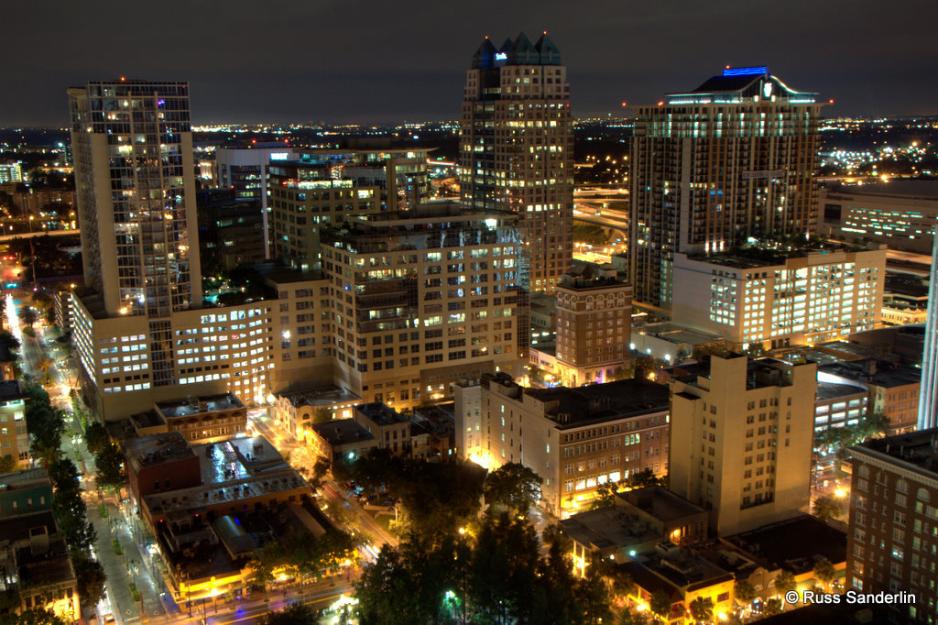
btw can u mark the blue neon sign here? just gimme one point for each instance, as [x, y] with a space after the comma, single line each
[746, 71]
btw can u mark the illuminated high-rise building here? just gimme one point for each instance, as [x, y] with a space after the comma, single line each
[732, 159]
[516, 149]
[928, 395]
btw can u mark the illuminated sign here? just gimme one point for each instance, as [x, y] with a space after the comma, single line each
[279, 156]
[746, 71]
[501, 56]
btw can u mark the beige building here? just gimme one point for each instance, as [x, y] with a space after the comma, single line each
[731, 159]
[296, 412]
[390, 429]
[423, 299]
[14, 438]
[322, 188]
[576, 439]
[594, 320]
[776, 299]
[741, 439]
[516, 149]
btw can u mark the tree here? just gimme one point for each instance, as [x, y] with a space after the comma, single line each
[513, 486]
[110, 465]
[90, 578]
[296, 614]
[592, 595]
[772, 607]
[824, 570]
[644, 478]
[701, 609]
[661, 604]
[33, 616]
[96, 437]
[320, 469]
[745, 592]
[7, 463]
[605, 495]
[827, 508]
[29, 316]
[784, 582]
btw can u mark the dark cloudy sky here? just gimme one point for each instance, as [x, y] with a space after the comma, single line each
[390, 60]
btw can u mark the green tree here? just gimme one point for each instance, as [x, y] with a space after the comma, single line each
[605, 495]
[296, 614]
[96, 437]
[592, 597]
[784, 582]
[825, 572]
[772, 607]
[644, 478]
[33, 616]
[827, 508]
[513, 486]
[7, 463]
[701, 609]
[661, 604]
[745, 592]
[110, 466]
[90, 578]
[29, 316]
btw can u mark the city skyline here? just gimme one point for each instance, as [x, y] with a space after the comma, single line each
[321, 73]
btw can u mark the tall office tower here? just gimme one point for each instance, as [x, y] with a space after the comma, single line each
[320, 188]
[135, 182]
[893, 540]
[741, 439]
[423, 299]
[732, 159]
[928, 393]
[516, 150]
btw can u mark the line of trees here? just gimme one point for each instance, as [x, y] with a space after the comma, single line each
[46, 426]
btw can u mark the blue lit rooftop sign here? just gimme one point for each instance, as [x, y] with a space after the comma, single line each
[501, 56]
[746, 71]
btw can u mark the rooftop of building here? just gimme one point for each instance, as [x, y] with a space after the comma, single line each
[760, 372]
[916, 450]
[318, 395]
[754, 256]
[47, 567]
[381, 413]
[342, 431]
[609, 527]
[285, 275]
[22, 479]
[896, 187]
[677, 334]
[146, 419]
[906, 285]
[830, 390]
[793, 544]
[93, 302]
[736, 84]
[675, 571]
[10, 391]
[590, 276]
[199, 405]
[873, 371]
[157, 449]
[594, 403]
[517, 51]
[660, 503]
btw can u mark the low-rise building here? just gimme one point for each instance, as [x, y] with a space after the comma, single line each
[14, 438]
[340, 439]
[296, 411]
[839, 404]
[576, 439]
[391, 429]
[777, 298]
[204, 419]
[35, 569]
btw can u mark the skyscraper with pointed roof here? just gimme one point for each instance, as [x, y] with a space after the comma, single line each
[733, 158]
[516, 150]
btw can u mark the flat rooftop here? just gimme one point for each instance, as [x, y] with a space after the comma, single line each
[793, 544]
[753, 257]
[381, 413]
[609, 527]
[318, 396]
[199, 405]
[830, 390]
[342, 431]
[914, 450]
[676, 334]
[158, 448]
[660, 503]
[910, 189]
[574, 407]
[20, 479]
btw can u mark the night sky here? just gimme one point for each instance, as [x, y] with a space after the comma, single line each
[393, 60]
